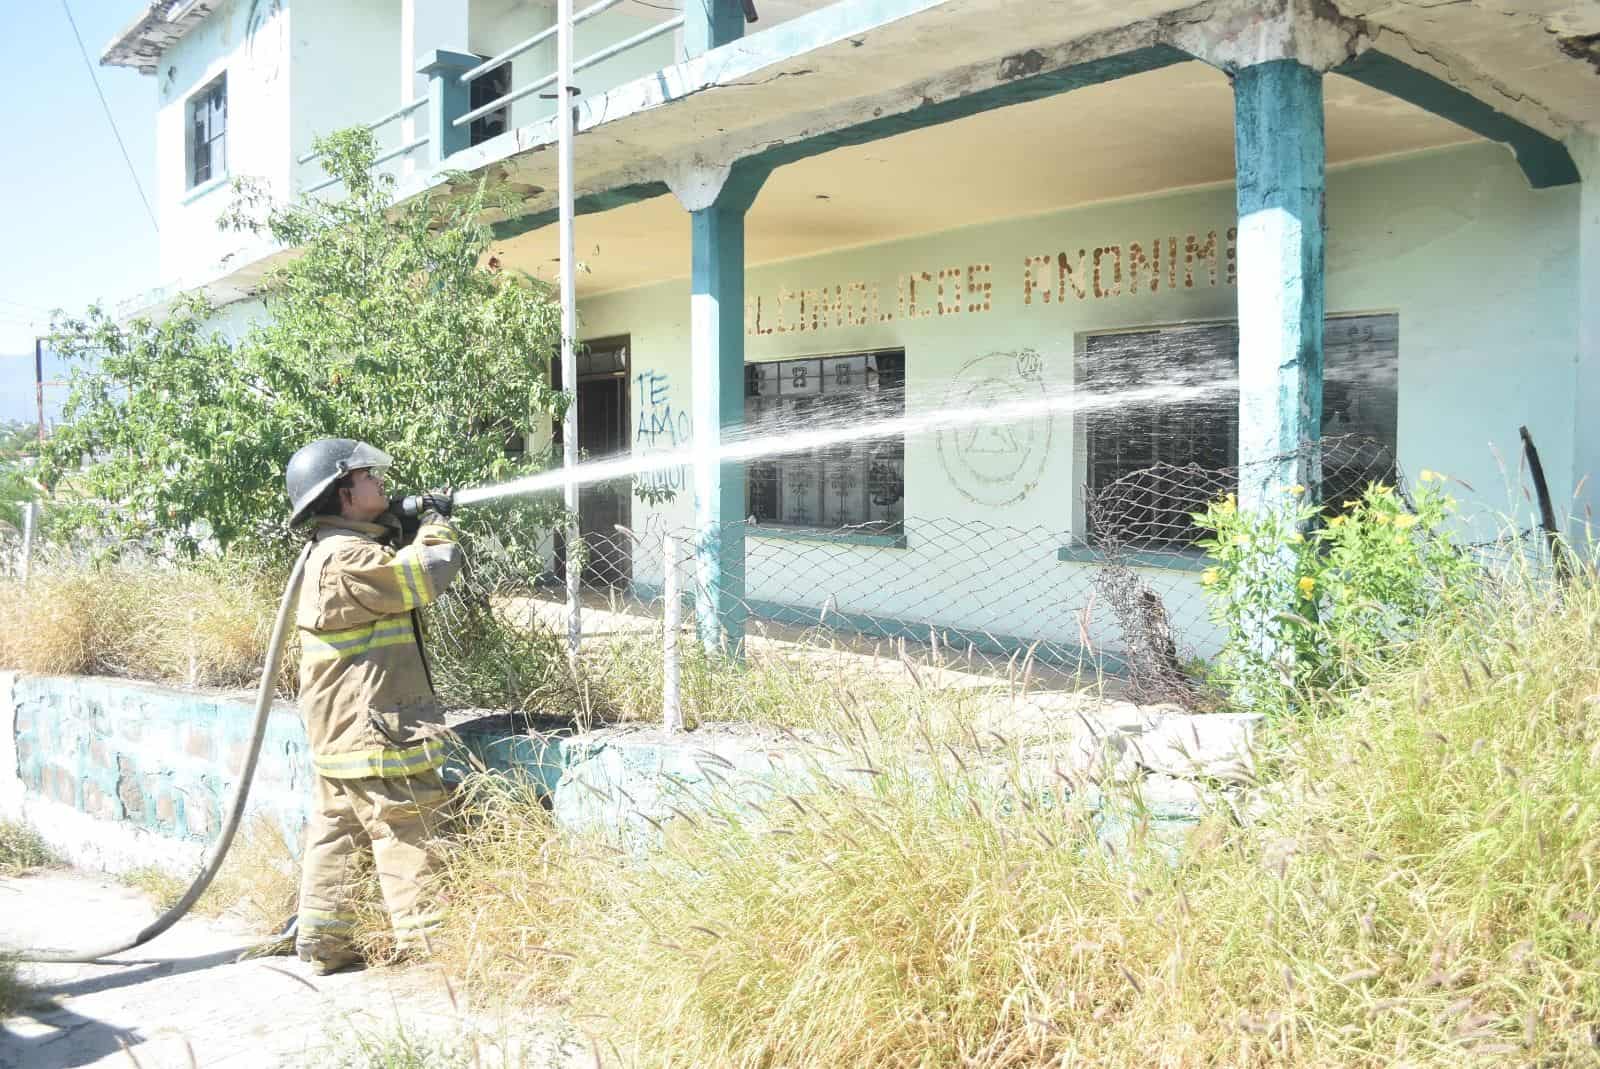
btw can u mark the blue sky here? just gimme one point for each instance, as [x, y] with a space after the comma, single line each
[74, 229]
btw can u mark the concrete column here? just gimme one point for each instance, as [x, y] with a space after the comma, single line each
[1585, 522]
[448, 99]
[1278, 150]
[718, 199]
[710, 23]
[424, 26]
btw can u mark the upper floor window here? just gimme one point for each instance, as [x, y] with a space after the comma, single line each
[208, 132]
[487, 88]
[850, 484]
[1359, 416]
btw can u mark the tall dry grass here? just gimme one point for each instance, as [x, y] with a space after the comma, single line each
[204, 626]
[259, 882]
[1419, 890]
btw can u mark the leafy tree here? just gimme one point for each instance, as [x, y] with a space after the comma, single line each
[19, 442]
[387, 323]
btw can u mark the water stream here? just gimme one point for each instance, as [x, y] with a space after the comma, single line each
[753, 442]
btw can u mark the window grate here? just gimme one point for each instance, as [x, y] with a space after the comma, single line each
[852, 484]
[1360, 401]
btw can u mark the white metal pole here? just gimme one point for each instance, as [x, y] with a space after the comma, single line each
[671, 707]
[569, 312]
[28, 524]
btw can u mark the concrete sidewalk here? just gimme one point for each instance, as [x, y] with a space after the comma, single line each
[184, 1000]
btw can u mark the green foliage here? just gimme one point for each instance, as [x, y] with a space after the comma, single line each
[1307, 596]
[388, 324]
[19, 443]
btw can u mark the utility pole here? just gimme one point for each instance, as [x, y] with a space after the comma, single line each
[38, 382]
[569, 315]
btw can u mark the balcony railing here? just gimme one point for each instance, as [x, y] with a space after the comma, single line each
[451, 77]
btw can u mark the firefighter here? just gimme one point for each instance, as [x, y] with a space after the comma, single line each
[371, 715]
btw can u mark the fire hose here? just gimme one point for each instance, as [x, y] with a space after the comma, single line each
[241, 793]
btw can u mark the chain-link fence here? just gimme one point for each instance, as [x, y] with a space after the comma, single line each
[1120, 600]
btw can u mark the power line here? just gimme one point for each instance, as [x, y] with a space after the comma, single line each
[89, 66]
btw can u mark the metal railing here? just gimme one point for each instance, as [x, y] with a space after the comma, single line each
[411, 146]
[512, 96]
[533, 42]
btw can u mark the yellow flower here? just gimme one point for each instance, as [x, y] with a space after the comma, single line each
[1229, 504]
[1241, 540]
[1296, 490]
[1427, 476]
[1296, 537]
[1400, 540]
[1380, 518]
[1405, 520]
[1337, 521]
[1307, 585]
[1209, 576]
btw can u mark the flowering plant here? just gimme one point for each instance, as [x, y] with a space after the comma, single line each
[1306, 595]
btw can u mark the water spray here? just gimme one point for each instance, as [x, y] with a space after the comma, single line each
[757, 441]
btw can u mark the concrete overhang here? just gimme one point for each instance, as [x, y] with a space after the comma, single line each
[865, 69]
[163, 24]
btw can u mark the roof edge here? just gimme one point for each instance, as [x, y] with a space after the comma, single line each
[163, 24]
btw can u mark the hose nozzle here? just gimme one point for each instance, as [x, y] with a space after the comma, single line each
[413, 505]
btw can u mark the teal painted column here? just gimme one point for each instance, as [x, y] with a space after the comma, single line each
[1279, 157]
[710, 23]
[716, 357]
[448, 99]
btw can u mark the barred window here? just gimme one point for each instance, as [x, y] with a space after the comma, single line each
[208, 133]
[1359, 415]
[853, 484]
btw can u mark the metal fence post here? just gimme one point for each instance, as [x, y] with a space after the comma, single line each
[28, 524]
[671, 708]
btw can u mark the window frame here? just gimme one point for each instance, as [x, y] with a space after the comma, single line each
[215, 142]
[868, 531]
[1082, 540]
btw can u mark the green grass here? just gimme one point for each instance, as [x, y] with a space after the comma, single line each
[21, 849]
[1419, 888]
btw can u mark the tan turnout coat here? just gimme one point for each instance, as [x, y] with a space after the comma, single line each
[365, 692]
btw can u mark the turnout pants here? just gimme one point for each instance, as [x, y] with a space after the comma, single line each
[397, 817]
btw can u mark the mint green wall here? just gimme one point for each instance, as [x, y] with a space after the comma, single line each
[1480, 269]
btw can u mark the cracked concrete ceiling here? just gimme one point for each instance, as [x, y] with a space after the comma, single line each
[1531, 49]
[1163, 130]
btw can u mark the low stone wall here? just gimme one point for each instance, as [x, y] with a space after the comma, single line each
[117, 774]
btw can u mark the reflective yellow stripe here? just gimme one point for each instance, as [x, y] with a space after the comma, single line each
[337, 645]
[421, 920]
[417, 578]
[381, 763]
[321, 918]
[408, 592]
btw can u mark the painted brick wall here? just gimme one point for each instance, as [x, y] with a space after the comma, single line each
[139, 758]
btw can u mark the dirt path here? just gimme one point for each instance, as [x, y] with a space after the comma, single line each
[184, 999]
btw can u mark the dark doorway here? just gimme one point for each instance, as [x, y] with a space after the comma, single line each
[602, 432]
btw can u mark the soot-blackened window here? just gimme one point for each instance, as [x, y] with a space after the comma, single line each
[1197, 421]
[208, 133]
[857, 484]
